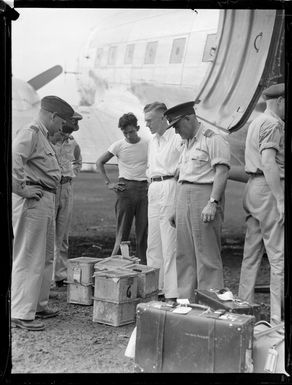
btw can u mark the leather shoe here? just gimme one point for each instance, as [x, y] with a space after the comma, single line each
[48, 313]
[27, 324]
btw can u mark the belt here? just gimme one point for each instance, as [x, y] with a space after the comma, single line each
[65, 179]
[51, 190]
[255, 174]
[132, 180]
[161, 178]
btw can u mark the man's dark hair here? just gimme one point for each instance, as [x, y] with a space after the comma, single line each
[155, 106]
[127, 119]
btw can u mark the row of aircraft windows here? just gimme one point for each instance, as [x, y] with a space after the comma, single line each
[176, 55]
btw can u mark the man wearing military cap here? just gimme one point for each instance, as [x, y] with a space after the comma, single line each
[203, 172]
[35, 176]
[264, 200]
[70, 160]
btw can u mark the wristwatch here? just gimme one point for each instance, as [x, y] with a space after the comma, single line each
[212, 200]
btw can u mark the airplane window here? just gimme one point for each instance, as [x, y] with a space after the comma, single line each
[177, 51]
[129, 54]
[98, 57]
[150, 52]
[210, 48]
[111, 60]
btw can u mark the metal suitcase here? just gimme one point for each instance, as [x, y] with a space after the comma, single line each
[209, 298]
[199, 342]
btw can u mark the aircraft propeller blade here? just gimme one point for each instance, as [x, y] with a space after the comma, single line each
[45, 77]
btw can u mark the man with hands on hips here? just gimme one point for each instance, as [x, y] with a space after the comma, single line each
[198, 217]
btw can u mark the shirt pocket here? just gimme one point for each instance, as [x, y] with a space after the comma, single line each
[200, 156]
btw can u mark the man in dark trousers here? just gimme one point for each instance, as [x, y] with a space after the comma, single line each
[132, 187]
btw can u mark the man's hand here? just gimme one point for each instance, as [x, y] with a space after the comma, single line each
[32, 192]
[209, 211]
[120, 186]
[172, 220]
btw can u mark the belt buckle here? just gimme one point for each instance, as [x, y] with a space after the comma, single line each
[161, 178]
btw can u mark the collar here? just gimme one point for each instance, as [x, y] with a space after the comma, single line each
[166, 135]
[41, 125]
[272, 113]
[190, 142]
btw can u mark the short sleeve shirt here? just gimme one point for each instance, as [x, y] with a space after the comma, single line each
[266, 131]
[200, 156]
[164, 153]
[132, 158]
[34, 158]
[66, 152]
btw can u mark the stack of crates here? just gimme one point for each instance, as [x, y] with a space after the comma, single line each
[148, 278]
[79, 280]
[115, 297]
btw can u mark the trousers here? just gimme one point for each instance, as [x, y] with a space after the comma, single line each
[132, 203]
[198, 258]
[161, 251]
[33, 253]
[63, 212]
[264, 232]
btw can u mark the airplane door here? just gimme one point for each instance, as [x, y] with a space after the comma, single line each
[246, 46]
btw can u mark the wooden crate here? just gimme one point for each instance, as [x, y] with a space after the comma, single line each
[80, 270]
[115, 285]
[114, 313]
[147, 279]
[79, 294]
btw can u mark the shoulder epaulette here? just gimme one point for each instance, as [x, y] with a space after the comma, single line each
[208, 133]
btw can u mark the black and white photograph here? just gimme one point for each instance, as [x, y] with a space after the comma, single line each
[147, 190]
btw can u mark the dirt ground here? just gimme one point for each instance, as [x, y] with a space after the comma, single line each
[72, 342]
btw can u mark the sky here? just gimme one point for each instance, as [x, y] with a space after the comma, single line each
[44, 37]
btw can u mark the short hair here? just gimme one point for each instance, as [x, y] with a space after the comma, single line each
[127, 119]
[155, 106]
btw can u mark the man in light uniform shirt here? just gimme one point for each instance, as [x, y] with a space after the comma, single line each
[203, 175]
[164, 152]
[264, 200]
[131, 189]
[69, 156]
[35, 176]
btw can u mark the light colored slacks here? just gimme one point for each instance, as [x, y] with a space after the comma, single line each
[64, 206]
[33, 252]
[264, 232]
[161, 245]
[198, 259]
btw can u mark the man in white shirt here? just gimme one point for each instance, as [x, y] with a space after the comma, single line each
[131, 189]
[163, 156]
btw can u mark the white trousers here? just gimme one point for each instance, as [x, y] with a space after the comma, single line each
[33, 252]
[64, 206]
[161, 244]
